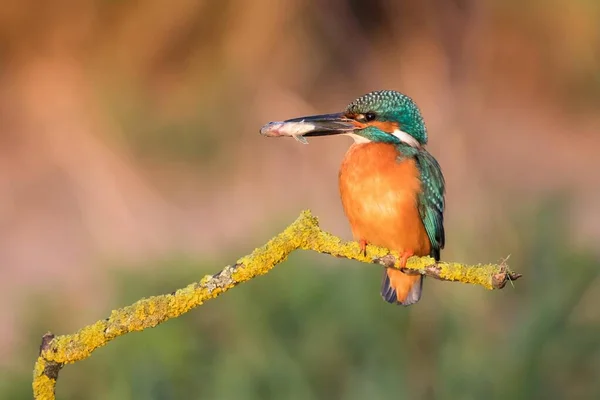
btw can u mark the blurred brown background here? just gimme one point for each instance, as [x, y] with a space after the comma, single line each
[129, 133]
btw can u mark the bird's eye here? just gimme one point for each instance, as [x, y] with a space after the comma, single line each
[370, 116]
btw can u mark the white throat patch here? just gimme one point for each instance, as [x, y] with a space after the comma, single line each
[403, 136]
[406, 138]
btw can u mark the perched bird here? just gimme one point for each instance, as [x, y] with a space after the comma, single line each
[391, 188]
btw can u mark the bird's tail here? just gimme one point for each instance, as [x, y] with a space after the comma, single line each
[400, 288]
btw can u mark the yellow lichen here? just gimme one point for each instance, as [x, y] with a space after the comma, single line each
[304, 234]
[477, 274]
[43, 388]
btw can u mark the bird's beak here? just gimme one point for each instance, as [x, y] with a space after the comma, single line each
[314, 125]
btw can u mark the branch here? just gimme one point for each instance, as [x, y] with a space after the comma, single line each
[303, 234]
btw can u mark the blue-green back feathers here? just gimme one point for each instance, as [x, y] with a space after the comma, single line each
[431, 201]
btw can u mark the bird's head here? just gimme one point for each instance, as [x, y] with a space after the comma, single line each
[384, 116]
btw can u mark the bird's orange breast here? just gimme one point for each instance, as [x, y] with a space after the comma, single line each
[379, 195]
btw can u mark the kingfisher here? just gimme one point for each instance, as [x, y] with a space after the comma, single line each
[392, 189]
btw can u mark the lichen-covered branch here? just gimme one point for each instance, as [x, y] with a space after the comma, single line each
[304, 233]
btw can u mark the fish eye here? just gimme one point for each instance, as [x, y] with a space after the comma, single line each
[370, 116]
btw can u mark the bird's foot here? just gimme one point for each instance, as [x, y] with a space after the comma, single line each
[363, 246]
[404, 256]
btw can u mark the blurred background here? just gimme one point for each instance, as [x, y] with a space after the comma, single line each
[132, 165]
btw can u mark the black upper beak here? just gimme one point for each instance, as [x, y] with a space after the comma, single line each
[325, 124]
[314, 125]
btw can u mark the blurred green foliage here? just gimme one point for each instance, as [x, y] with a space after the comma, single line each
[308, 331]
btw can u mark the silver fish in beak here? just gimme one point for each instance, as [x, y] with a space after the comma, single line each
[303, 127]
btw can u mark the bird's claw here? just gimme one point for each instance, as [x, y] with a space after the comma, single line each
[404, 256]
[363, 247]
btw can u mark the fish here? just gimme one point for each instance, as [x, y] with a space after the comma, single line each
[287, 129]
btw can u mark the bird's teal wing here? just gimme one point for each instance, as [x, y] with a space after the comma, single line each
[432, 201]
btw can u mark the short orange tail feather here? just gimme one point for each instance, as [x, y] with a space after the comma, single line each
[400, 288]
